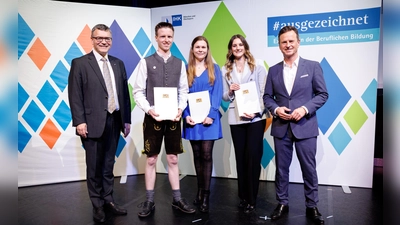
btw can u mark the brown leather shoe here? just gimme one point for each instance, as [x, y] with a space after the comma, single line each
[279, 211]
[314, 215]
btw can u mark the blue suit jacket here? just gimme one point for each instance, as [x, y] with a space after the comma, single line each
[309, 90]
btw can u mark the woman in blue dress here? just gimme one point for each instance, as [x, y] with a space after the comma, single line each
[203, 75]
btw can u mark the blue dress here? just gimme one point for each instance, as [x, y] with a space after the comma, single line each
[199, 131]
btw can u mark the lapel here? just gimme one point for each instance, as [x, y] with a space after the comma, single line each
[246, 73]
[95, 66]
[300, 71]
[245, 76]
[280, 78]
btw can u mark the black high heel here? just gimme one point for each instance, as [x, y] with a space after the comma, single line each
[199, 197]
[204, 207]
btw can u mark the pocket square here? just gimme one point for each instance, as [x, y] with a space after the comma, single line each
[305, 75]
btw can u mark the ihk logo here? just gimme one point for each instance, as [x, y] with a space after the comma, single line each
[175, 20]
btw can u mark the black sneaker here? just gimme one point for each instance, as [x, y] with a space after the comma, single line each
[147, 208]
[183, 206]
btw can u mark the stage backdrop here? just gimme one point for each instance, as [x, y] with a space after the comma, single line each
[343, 36]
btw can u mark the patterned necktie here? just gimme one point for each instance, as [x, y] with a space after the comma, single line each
[107, 80]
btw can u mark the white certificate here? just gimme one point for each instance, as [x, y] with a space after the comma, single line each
[247, 100]
[199, 105]
[166, 102]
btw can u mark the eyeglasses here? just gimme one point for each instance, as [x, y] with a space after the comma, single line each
[101, 39]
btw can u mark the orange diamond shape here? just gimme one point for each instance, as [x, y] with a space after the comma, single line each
[84, 39]
[50, 134]
[268, 123]
[39, 53]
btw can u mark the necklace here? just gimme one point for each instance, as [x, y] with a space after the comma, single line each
[239, 66]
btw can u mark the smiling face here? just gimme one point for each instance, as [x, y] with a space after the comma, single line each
[164, 39]
[288, 44]
[200, 50]
[101, 41]
[237, 48]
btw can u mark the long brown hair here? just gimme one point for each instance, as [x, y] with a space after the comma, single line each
[230, 58]
[209, 64]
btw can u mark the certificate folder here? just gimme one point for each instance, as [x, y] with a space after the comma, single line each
[199, 105]
[247, 100]
[166, 102]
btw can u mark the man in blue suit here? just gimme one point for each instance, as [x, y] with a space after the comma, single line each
[294, 91]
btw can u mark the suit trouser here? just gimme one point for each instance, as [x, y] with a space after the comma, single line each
[100, 159]
[306, 150]
[248, 142]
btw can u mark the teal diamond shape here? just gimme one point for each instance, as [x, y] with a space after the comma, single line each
[268, 154]
[369, 96]
[141, 41]
[339, 138]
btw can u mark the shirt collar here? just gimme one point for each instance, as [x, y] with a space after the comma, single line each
[162, 56]
[295, 63]
[99, 57]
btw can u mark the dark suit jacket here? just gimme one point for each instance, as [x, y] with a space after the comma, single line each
[309, 90]
[87, 93]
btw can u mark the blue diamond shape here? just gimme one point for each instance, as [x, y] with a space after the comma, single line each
[60, 76]
[63, 115]
[121, 145]
[141, 41]
[268, 154]
[369, 96]
[73, 52]
[25, 35]
[47, 95]
[151, 51]
[22, 97]
[33, 116]
[123, 49]
[338, 98]
[339, 138]
[23, 137]
[175, 52]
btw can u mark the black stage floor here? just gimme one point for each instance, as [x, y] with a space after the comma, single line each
[68, 203]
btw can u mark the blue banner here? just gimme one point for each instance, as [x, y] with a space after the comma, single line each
[329, 28]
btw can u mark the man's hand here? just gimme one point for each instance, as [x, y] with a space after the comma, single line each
[127, 129]
[281, 112]
[153, 114]
[298, 113]
[82, 130]
[178, 116]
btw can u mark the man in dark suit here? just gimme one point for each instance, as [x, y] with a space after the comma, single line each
[100, 107]
[294, 91]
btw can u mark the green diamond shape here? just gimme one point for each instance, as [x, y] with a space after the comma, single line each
[355, 117]
[219, 31]
[133, 103]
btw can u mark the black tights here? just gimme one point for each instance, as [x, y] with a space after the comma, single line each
[203, 162]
